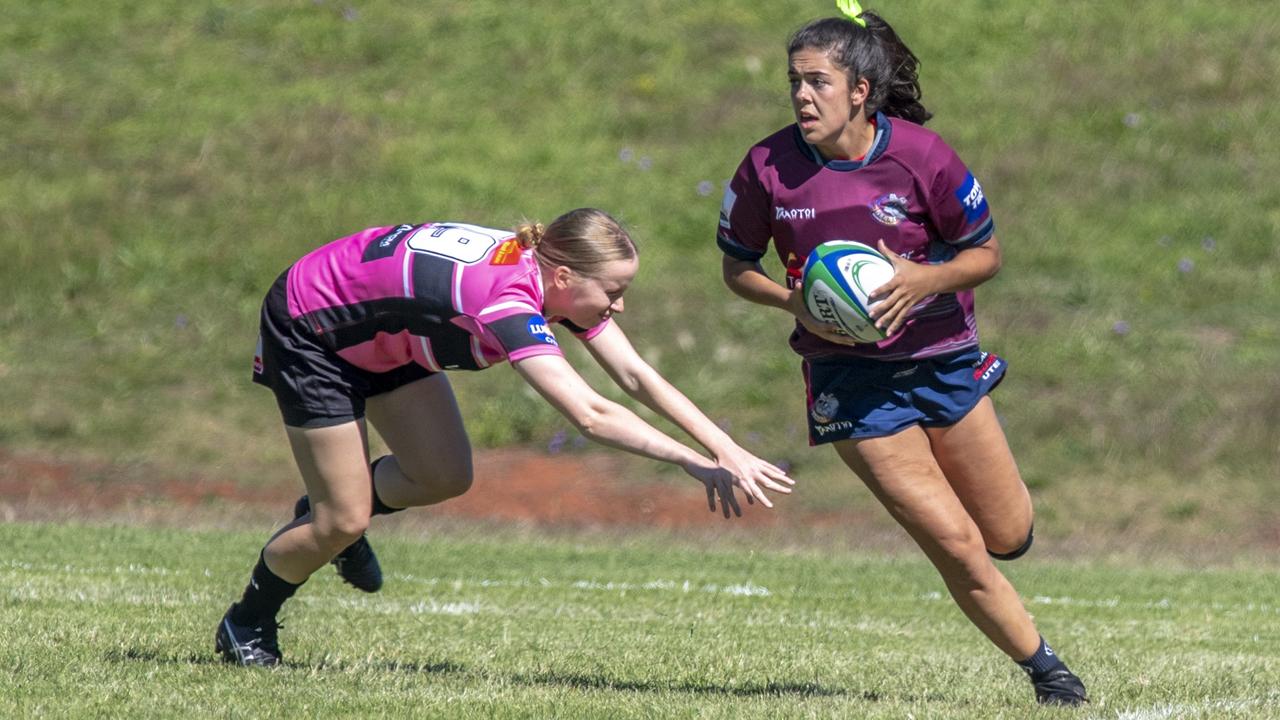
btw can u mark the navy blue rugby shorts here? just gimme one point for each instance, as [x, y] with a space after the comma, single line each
[313, 385]
[850, 397]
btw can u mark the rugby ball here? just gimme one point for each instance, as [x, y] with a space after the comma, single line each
[838, 277]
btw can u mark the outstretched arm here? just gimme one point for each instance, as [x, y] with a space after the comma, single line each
[607, 422]
[618, 357]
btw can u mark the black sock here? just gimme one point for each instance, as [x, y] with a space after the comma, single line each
[379, 507]
[1041, 662]
[263, 596]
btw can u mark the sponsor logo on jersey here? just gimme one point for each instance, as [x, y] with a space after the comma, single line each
[987, 366]
[539, 329]
[824, 408]
[781, 213]
[970, 196]
[384, 246]
[889, 209]
[508, 253]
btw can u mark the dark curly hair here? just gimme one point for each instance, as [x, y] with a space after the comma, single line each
[874, 52]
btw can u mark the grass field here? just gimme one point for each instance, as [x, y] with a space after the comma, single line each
[163, 161]
[475, 625]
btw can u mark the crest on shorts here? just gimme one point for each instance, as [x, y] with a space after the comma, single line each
[824, 408]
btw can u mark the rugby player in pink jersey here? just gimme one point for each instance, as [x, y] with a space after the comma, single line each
[909, 415]
[366, 325]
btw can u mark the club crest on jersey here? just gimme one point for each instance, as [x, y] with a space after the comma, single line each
[970, 196]
[508, 253]
[889, 209]
[824, 408]
[538, 329]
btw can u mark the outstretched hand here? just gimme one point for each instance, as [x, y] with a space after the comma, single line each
[740, 469]
[754, 475]
[718, 481]
[892, 301]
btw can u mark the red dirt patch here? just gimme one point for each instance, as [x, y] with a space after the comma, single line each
[511, 485]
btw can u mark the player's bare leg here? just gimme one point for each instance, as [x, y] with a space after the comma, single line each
[901, 471]
[334, 466]
[431, 454]
[975, 458]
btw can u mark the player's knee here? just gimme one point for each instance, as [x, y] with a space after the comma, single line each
[445, 480]
[455, 481]
[959, 545]
[340, 530]
[1010, 551]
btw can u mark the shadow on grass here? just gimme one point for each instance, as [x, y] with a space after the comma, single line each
[774, 689]
[149, 655]
[571, 680]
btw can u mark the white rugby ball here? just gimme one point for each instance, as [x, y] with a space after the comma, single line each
[839, 275]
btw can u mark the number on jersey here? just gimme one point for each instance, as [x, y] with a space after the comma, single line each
[466, 244]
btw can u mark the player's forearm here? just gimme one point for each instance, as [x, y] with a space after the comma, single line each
[748, 280]
[665, 399]
[968, 269]
[611, 424]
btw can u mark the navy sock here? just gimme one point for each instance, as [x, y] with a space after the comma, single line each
[379, 507]
[1043, 661]
[263, 596]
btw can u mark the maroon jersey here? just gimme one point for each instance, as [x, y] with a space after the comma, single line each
[910, 189]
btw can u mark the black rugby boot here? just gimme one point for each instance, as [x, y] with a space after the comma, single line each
[1059, 687]
[248, 645]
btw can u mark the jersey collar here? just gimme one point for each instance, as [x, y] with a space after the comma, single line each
[879, 144]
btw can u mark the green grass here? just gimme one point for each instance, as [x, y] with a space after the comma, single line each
[163, 161]
[507, 625]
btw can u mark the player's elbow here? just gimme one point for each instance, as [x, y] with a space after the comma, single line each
[589, 417]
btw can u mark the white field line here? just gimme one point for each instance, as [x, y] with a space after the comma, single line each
[18, 568]
[1161, 604]
[1204, 708]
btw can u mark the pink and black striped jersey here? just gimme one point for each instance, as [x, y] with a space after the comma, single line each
[911, 190]
[448, 296]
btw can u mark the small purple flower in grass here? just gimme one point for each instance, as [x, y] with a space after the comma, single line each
[1186, 265]
[705, 187]
[578, 442]
[1132, 120]
[181, 322]
[1164, 241]
[1120, 328]
[1209, 244]
[557, 442]
[350, 14]
[626, 154]
[645, 163]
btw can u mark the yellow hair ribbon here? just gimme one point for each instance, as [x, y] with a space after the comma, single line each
[851, 9]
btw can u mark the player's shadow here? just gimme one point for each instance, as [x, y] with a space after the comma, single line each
[770, 689]
[149, 655]
[577, 681]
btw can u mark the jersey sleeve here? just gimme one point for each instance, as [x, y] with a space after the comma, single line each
[957, 205]
[582, 333]
[514, 319]
[523, 335]
[744, 230]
